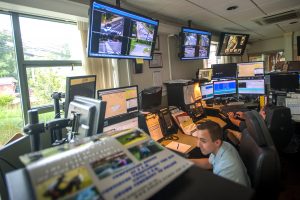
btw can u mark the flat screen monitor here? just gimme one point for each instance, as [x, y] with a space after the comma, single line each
[81, 86]
[207, 91]
[224, 71]
[250, 69]
[119, 101]
[119, 33]
[85, 114]
[100, 107]
[232, 44]
[284, 81]
[225, 87]
[150, 97]
[251, 86]
[195, 44]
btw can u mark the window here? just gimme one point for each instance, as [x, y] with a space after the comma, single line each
[50, 40]
[53, 77]
[213, 59]
[11, 120]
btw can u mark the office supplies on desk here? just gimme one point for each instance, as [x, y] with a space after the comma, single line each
[177, 146]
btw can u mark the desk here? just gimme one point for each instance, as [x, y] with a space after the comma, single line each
[191, 140]
[193, 184]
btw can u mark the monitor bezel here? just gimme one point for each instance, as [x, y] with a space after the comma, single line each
[241, 79]
[221, 40]
[220, 95]
[182, 44]
[250, 76]
[212, 88]
[124, 87]
[121, 56]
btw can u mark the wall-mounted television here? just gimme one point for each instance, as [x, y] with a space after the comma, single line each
[232, 44]
[119, 33]
[195, 44]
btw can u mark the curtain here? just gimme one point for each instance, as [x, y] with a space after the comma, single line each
[101, 67]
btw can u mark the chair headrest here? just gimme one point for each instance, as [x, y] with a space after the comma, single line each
[257, 128]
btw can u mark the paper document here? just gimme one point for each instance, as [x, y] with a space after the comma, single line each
[177, 146]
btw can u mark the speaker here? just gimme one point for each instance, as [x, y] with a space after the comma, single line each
[298, 45]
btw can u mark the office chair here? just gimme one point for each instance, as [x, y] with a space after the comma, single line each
[279, 123]
[260, 157]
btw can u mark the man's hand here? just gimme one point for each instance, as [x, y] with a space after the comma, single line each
[240, 115]
[233, 119]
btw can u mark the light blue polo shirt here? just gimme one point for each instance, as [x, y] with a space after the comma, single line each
[228, 164]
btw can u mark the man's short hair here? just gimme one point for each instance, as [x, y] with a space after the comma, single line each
[213, 128]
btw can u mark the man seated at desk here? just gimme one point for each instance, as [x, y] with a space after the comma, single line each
[223, 159]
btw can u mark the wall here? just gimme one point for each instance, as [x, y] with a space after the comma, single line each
[266, 45]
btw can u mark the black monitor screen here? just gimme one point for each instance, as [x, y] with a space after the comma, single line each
[250, 69]
[150, 97]
[79, 86]
[224, 71]
[195, 44]
[232, 44]
[119, 101]
[284, 81]
[118, 33]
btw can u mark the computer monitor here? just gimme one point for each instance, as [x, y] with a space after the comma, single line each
[100, 107]
[225, 87]
[205, 73]
[250, 69]
[232, 44]
[80, 86]
[284, 81]
[251, 86]
[119, 101]
[150, 97]
[224, 71]
[120, 33]
[207, 91]
[84, 115]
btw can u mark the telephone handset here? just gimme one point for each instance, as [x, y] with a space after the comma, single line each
[166, 121]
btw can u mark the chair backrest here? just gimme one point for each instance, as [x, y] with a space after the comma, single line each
[260, 156]
[279, 123]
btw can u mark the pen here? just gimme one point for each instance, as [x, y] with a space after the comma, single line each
[177, 145]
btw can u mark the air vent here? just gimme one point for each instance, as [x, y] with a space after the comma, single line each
[280, 17]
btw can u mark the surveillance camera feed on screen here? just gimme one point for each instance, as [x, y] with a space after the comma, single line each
[224, 87]
[207, 91]
[117, 33]
[250, 69]
[119, 100]
[251, 86]
[232, 44]
[196, 44]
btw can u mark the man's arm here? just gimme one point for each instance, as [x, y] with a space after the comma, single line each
[202, 162]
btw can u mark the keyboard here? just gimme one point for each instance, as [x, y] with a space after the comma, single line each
[235, 103]
[233, 108]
